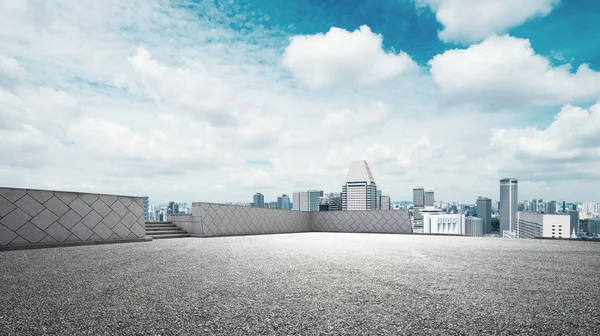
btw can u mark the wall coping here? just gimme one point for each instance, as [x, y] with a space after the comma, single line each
[70, 191]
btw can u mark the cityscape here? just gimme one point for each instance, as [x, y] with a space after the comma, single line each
[536, 218]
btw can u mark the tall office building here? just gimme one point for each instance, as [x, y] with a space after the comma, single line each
[335, 201]
[378, 199]
[593, 226]
[146, 206]
[574, 220]
[508, 205]
[283, 202]
[386, 203]
[429, 198]
[484, 211]
[418, 203]
[307, 200]
[259, 200]
[360, 190]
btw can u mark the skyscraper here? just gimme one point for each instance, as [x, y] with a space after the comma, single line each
[360, 190]
[429, 198]
[552, 207]
[484, 211]
[508, 204]
[307, 200]
[283, 202]
[418, 203]
[146, 204]
[259, 200]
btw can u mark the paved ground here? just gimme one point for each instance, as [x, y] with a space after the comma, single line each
[311, 283]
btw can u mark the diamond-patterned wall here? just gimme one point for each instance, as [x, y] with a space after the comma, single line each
[229, 220]
[382, 221]
[31, 217]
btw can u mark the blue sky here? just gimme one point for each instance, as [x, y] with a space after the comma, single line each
[217, 100]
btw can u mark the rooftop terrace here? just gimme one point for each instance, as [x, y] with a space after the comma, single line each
[305, 283]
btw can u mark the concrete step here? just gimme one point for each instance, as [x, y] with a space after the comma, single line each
[162, 228]
[174, 235]
[158, 222]
[153, 233]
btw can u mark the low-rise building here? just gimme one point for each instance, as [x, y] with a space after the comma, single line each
[594, 226]
[535, 224]
[443, 223]
[474, 226]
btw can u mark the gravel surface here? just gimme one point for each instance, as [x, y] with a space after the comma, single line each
[307, 283]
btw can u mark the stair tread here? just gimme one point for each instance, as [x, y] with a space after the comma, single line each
[165, 231]
[178, 235]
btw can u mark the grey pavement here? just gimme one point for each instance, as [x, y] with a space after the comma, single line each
[306, 283]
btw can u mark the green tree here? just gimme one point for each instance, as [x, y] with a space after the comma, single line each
[496, 223]
[583, 225]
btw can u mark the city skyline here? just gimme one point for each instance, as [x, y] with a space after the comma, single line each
[212, 100]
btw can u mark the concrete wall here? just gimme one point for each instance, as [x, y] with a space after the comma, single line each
[44, 217]
[182, 221]
[209, 220]
[382, 221]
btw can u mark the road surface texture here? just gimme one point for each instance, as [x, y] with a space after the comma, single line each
[306, 283]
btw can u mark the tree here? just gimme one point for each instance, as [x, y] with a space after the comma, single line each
[496, 223]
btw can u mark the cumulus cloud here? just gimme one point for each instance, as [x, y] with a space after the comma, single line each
[468, 21]
[505, 71]
[340, 56]
[573, 136]
[351, 122]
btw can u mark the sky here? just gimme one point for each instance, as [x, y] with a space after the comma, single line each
[216, 100]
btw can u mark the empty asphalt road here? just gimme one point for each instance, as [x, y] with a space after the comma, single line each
[305, 284]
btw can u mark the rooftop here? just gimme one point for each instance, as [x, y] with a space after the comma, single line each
[360, 172]
[305, 283]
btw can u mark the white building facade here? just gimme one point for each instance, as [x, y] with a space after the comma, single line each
[360, 190]
[444, 223]
[535, 224]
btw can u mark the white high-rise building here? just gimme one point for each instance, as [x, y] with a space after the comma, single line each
[508, 205]
[360, 190]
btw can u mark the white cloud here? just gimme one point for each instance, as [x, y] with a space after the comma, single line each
[469, 21]
[9, 68]
[361, 120]
[144, 98]
[573, 136]
[505, 71]
[340, 56]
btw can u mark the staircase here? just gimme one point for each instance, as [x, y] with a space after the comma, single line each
[162, 230]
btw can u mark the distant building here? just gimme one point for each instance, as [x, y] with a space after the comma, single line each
[307, 200]
[335, 201]
[474, 226]
[418, 203]
[171, 208]
[146, 206]
[508, 204]
[360, 190]
[324, 203]
[552, 207]
[429, 198]
[535, 224]
[444, 223]
[272, 205]
[484, 211]
[574, 221]
[594, 226]
[259, 200]
[378, 199]
[386, 203]
[283, 202]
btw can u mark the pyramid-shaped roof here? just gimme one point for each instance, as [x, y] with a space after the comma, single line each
[360, 172]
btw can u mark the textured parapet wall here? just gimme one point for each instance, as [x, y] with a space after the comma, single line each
[368, 221]
[209, 220]
[40, 217]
